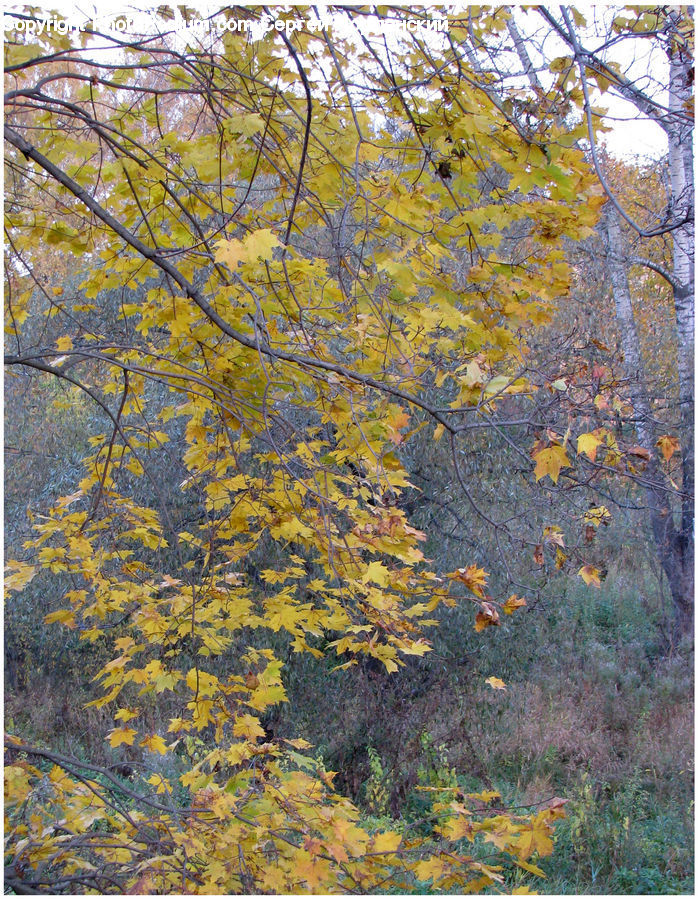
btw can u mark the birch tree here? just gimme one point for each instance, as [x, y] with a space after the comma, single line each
[644, 58]
[668, 104]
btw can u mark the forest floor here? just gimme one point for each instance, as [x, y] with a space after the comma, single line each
[598, 709]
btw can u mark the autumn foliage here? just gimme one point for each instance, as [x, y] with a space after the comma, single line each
[320, 248]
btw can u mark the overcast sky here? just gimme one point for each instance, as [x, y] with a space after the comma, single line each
[630, 136]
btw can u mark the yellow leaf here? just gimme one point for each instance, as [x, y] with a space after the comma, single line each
[396, 422]
[22, 574]
[590, 575]
[311, 869]
[496, 683]
[377, 573]
[64, 616]
[298, 743]
[17, 784]
[178, 725]
[553, 535]
[597, 515]
[162, 784]
[550, 461]
[231, 253]
[386, 842]
[536, 840]
[248, 726]
[529, 867]
[429, 869]
[122, 736]
[588, 444]
[155, 744]
[512, 604]
[260, 244]
[485, 796]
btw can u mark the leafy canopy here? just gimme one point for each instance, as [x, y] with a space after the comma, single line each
[310, 236]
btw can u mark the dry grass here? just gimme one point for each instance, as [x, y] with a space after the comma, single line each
[578, 722]
[54, 715]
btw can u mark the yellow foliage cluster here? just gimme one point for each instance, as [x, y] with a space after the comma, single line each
[196, 181]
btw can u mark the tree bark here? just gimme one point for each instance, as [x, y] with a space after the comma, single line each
[674, 541]
[683, 201]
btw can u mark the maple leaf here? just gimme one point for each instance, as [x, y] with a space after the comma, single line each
[311, 869]
[398, 420]
[63, 616]
[64, 343]
[486, 616]
[248, 726]
[298, 743]
[21, 575]
[668, 446]
[474, 578]
[553, 535]
[457, 827]
[260, 244]
[550, 461]
[590, 575]
[485, 796]
[588, 444]
[386, 842]
[154, 743]
[597, 515]
[639, 451]
[535, 839]
[120, 736]
[231, 253]
[496, 683]
[430, 869]
[377, 573]
[161, 784]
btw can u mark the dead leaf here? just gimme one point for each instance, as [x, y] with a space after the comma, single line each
[668, 445]
[486, 617]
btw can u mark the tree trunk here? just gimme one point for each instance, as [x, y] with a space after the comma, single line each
[674, 542]
[683, 201]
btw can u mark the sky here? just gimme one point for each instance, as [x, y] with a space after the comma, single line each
[629, 138]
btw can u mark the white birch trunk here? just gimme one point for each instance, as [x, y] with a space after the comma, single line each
[674, 544]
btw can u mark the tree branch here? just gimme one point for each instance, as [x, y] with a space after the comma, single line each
[30, 152]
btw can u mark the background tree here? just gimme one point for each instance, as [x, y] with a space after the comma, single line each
[668, 103]
[654, 234]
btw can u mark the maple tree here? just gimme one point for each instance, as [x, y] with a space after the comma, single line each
[315, 233]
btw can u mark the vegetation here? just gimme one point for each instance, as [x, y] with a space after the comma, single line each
[350, 456]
